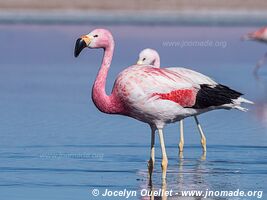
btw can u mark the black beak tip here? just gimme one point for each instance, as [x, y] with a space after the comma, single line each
[79, 46]
[76, 54]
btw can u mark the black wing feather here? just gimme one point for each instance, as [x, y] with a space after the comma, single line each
[209, 96]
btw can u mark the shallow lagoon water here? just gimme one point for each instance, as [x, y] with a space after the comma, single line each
[56, 145]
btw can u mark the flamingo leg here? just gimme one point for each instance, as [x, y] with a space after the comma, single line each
[164, 162]
[260, 63]
[151, 161]
[203, 138]
[181, 143]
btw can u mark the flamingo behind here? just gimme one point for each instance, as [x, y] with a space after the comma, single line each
[151, 57]
[153, 95]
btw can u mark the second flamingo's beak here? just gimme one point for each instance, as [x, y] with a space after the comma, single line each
[139, 62]
[81, 43]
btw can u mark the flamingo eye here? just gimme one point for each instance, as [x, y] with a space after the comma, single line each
[95, 35]
[144, 59]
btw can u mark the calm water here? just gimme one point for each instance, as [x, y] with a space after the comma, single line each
[56, 145]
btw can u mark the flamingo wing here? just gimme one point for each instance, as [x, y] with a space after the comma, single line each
[216, 96]
[163, 95]
[211, 94]
[149, 83]
[186, 88]
[194, 76]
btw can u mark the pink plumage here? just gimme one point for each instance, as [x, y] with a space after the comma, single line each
[183, 97]
[259, 35]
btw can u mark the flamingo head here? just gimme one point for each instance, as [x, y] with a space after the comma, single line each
[98, 38]
[260, 35]
[149, 57]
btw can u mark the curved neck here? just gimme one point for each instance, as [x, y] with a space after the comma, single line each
[157, 62]
[103, 102]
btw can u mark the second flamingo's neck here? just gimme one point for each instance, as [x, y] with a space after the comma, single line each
[157, 62]
[104, 102]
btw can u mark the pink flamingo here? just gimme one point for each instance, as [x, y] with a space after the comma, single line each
[153, 95]
[260, 36]
[151, 57]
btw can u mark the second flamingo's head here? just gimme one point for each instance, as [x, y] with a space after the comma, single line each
[98, 38]
[149, 57]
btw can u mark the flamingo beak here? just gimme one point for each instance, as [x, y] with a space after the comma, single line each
[248, 36]
[139, 62]
[81, 43]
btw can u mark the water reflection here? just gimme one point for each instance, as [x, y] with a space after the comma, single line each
[183, 179]
[152, 193]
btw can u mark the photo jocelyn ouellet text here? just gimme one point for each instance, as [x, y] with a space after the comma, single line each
[189, 193]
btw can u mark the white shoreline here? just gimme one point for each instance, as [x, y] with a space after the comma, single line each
[188, 17]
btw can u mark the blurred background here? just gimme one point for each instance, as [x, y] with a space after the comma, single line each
[119, 11]
[55, 144]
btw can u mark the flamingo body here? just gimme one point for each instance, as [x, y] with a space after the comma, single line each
[155, 96]
[159, 96]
